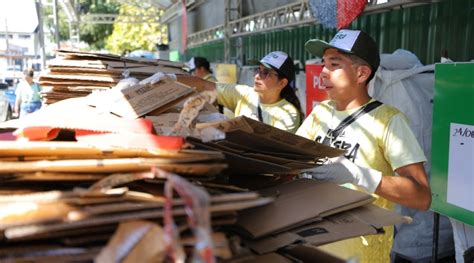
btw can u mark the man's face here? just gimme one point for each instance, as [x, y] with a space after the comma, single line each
[339, 75]
[27, 78]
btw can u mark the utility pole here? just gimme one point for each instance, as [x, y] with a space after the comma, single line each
[227, 31]
[39, 12]
[56, 23]
[7, 51]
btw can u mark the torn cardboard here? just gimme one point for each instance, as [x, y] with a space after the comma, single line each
[298, 202]
[135, 241]
[365, 220]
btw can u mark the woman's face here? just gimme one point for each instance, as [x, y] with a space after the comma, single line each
[266, 80]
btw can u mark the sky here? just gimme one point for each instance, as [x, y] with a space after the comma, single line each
[19, 15]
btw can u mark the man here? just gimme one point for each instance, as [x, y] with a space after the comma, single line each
[28, 99]
[382, 154]
[200, 67]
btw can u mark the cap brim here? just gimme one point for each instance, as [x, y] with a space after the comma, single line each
[317, 47]
[255, 62]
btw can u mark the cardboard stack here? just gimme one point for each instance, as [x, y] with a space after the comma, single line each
[64, 199]
[103, 189]
[76, 74]
[73, 212]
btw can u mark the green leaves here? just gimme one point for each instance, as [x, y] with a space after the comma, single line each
[142, 31]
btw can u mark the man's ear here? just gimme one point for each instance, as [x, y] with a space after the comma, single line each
[363, 73]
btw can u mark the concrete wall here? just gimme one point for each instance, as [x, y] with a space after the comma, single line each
[207, 15]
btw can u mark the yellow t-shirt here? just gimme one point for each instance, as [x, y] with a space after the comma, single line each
[244, 101]
[380, 139]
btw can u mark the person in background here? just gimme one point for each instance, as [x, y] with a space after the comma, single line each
[200, 67]
[28, 99]
[272, 99]
[463, 241]
[382, 154]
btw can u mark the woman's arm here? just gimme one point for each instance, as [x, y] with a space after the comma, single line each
[199, 83]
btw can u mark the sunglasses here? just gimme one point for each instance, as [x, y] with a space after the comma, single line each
[264, 73]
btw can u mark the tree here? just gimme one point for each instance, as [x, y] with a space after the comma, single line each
[142, 30]
[93, 34]
[50, 27]
[96, 34]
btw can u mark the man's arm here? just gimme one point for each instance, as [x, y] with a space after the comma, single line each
[410, 189]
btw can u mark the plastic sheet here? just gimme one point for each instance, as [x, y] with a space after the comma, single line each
[196, 203]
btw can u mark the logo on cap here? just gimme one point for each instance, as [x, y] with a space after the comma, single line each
[275, 58]
[340, 36]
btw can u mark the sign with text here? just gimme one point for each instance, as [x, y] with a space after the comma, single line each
[452, 178]
[461, 171]
[226, 73]
[314, 94]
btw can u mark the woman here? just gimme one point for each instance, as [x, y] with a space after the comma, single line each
[271, 100]
[28, 99]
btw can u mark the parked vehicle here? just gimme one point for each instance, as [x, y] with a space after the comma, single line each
[12, 74]
[6, 105]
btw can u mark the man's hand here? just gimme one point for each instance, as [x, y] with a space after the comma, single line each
[340, 170]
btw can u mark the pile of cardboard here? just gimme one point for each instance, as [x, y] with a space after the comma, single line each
[76, 74]
[100, 178]
[64, 199]
[57, 212]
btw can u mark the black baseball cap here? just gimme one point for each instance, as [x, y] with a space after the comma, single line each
[348, 41]
[196, 62]
[280, 62]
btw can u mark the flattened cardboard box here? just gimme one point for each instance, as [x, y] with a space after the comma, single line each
[240, 164]
[246, 131]
[298, 202]
[109, 57]
[48, 75]
[365, 220]
[133, 102]
[111, 66]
